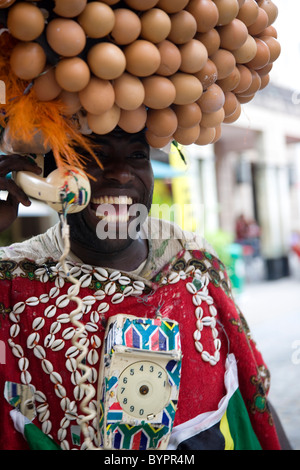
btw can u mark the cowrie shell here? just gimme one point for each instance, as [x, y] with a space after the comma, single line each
[23, 363]
[40, 396]
[138, 285]
[64, 403]
[44, 298]
[117, 298]
[93, 375]
[46, 427]
[212, 360]
[48, 341]
[55, 327]
[99, 294]
[95, 341]
[103, 307]
[44, 415]
[173, 278]
[115, 276]
[42, 407]
[91, 327]
[207, 321]
[14, 330]
[54, 292]
[60, 391]
[94, 317]
[75, 271]
[73, 290]
[14, 318]
[199, 312]
[59, 282]
[32, 301]
[205, 356]
[191, 288]
[87, 268]
[64, 423]
[212, 310]
[72, 352]
[78, 393]
[88, 300]
[57, 345]
[68, 333]
[50, 311]
[75, 377]
[19, 307]
[25, 377]
[199, 347]
[17, 350]
[62, 301]
[85, 280]
[124, 280]
[71, 364]
[65, 445]
[197, 335]
[39, 352]
[196, 299]
[61, 434]
[110, 288]
[38, 323]
[55, 377]
[47, 366]
[101, 274]
[93, 357]
[127, 291]
[32, 340]
[63, 318]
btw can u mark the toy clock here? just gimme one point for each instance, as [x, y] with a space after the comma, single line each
[138, 382]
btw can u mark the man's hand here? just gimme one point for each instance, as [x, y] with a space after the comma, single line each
[9, 207]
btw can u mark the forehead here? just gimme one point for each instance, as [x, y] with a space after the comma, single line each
[119, 137]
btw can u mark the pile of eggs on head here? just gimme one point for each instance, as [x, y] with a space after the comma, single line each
[180, 68]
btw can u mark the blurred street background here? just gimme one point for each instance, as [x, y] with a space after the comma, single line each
[243, 195]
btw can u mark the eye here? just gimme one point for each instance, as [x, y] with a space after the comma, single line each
[139, 155]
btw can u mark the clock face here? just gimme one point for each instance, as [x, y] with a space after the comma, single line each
[143, 389]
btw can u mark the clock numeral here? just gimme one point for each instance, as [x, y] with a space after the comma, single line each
[141, 368]
[151, 368]
[141, 412]
[125, 401]
[125, 380]
[132, 408]
[122, 389]
[131, 371]
[159, 375]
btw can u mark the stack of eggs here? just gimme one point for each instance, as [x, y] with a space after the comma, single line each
[180, 68]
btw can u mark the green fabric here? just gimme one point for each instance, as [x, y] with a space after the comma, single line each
[37, 440]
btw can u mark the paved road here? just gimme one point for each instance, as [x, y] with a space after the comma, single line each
[272, 310]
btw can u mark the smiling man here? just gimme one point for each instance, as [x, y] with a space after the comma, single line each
[157, 278]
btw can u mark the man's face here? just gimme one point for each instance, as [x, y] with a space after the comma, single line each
[124, 185]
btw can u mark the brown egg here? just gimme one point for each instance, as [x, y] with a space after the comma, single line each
[71, 101]
[188, 88]
[156, 25]
[205, 13]
[110, 2]
[247, 52]
[45, 86]
[233, 35]
[255, 85]
[25, 21]
[259, 24]
[212, 119]
[274, 47]
[106, 60]
[159, 92]
[6, 3]
[127, 26]
[97, 19]
[248, 12]
[245, 99]
[241, 3]
[27, 60]
[231, 82]
[170, 58]
[98, 96]
[262, 56]
[183, 27]
[133, 120]
[161, 122]
[66, 37]
[157, 142]
[69, 8]
[211, 40]
[186, 136]
[172, 6]
[230, 104]
[208, 74]
[228, 10]
[212, 99]
[206, 136]
[265, 80]
[245, 79]
[72, 74]
[193, 56]
[104, 123]
[270, 8]
[265, 70]
[129, 92]
[141, 5]
[224, 61]
[235, 115]
[218, 134]
[269, 31]
[142, 58]
[188, 115]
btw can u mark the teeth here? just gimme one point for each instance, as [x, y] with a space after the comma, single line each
[114, 218]
[112, 200]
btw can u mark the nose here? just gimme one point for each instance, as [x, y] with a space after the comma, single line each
[119, 172]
